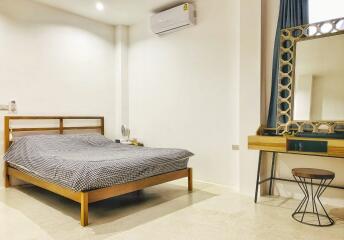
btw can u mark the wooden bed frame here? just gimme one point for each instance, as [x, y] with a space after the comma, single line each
[84, 198]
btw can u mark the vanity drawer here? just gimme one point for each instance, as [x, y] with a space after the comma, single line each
[309, 146]
[325, 147]
[336, 148]
[306, 146]
[267, 143]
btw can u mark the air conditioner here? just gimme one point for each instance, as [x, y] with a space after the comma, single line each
[173, 19]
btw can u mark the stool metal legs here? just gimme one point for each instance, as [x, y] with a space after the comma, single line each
[301, 211]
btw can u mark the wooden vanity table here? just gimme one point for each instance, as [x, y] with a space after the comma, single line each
[292, 145]
[310, 87]
[298, 145]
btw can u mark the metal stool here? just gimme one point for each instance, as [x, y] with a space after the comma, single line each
[324, 179]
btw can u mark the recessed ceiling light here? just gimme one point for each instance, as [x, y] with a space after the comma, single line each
[99, 6]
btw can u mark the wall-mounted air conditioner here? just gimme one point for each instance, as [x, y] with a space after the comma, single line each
[174, 19]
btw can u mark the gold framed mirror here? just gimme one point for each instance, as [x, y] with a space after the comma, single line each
[311, 78]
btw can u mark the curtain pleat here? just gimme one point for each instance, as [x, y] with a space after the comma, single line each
[292, 13]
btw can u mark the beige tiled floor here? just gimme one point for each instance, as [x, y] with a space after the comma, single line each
[162, 212]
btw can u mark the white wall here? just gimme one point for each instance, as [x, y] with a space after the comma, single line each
[122, 88]
[183, 89]
[250, 89]
[53, 62]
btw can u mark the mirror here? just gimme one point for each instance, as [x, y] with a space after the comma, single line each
[311, 78]
[319, 79]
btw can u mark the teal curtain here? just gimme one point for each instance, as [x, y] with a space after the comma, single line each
[291, 13]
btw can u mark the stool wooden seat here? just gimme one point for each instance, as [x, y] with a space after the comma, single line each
[313, 173]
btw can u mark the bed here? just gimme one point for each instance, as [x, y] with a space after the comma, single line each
[86, 167]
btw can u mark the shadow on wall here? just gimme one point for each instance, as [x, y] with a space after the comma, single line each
[31, 14]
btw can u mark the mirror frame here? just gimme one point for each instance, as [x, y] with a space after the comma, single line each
[286, 81]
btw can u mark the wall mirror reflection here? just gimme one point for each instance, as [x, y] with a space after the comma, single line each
[319, 79]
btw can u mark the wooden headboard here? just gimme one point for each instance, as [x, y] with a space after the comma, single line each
[60, 129]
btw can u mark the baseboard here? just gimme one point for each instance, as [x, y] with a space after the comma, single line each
[232, 188]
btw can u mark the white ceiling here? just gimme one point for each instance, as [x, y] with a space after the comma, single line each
[126, 12]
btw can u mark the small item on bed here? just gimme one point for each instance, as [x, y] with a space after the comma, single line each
[125, 132]
[126, 142]
[133, 142]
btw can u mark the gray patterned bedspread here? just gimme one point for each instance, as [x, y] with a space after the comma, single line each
[84, 162]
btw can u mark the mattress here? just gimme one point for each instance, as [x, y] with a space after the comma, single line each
[83, 162]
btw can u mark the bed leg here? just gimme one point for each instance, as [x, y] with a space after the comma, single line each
[190, 184]
[7, 181]
[84, 209]
[7, 177]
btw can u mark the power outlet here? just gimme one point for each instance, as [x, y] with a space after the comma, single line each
[235, 147]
